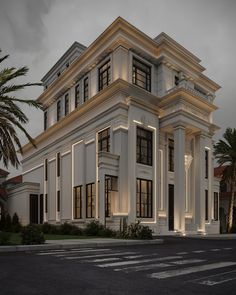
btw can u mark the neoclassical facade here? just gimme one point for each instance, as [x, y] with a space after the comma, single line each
[127, 136]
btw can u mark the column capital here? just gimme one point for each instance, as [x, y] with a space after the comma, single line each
[179, 126]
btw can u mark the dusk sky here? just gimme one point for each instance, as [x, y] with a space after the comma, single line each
[37, 32]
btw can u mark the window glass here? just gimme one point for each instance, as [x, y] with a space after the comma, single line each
[143, 198]
[104, 140]
[104, 75]
[141, 74]
[144, 146]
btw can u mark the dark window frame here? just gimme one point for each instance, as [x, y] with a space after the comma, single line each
[90, 213]
[144, 209]
[58, 110]
[216, 206]
[104, 140]
[206, 164]
[104, 75]
[206, 205]
[144, 146]
[77, 95]
[58, 201]
[141, 73]
[58, 164]
[111, 185]
[66, 105]
[171, 158]
[78, 202]
[45, 120]
[46, 169]
[86, 88]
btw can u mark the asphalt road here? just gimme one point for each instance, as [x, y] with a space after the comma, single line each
[179, 266]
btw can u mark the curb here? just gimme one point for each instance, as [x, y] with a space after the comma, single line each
[23, 248]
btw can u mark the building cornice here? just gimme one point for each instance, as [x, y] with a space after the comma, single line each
[119, 86]
[185, 94]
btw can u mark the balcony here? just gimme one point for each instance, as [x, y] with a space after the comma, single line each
[185, 85]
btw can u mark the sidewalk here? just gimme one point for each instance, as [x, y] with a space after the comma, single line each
[79, 243]
[214, 236]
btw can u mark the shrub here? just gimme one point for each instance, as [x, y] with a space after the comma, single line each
[106, 232]
[4, 238]
[48, 228]
[31, 235]
[69, 229]
[2, 222]
[93, 228]
[136, 231]
[8, 222]
[16, 226]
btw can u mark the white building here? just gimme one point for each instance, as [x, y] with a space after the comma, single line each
[128, 134]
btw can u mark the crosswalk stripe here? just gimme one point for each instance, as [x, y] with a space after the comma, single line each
[130, 262]
[189, 270]
[198, 251]
[215, 250]
[187, 261]
[182, 253]
[142, 267]
[216, 279]
[80, 251]
[227, 248]
[63, 251]
[106, 259]
[99, 255]
[139, 256]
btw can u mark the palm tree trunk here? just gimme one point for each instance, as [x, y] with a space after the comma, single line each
[231, 207]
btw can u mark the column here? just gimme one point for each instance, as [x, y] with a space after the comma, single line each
[199, 167]
[179, 190]
[132, 172]
[102, 197]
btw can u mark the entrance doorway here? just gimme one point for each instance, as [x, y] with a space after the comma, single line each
[171, 207]
[36, 208]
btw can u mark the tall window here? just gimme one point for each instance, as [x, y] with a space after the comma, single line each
[86, 88]
[66, 104]
[58, 164]
[216, 206]
[46, 169]
[104, 140]
[58, 201]
[78, 202]
[58, 110]
[206, 204]
[104, 75]
[143, 198]
[144, 146]
[206, 163]
[90, 200]
[77, 95]
[141, 74]
[171, 155]
[111, 185]
[45, 120]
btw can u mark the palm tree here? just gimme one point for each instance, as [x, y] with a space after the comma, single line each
[11, 115]
[225, 152]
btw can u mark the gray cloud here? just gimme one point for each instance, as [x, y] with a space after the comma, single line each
[37, 32]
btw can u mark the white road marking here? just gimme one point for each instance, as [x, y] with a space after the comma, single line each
[187, 261]
[121, 263]
[198, 251]
[189, 270]
[216, 279]
[99, 255]
[80, 251]
[142, 267]
[105, 259]
[182, 253]
[63, 251]
[227, 248]
[215, 250]
[139, 256]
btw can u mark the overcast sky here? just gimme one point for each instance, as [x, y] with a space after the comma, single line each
[37, 32]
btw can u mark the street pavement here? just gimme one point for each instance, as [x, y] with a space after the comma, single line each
[179, 266]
